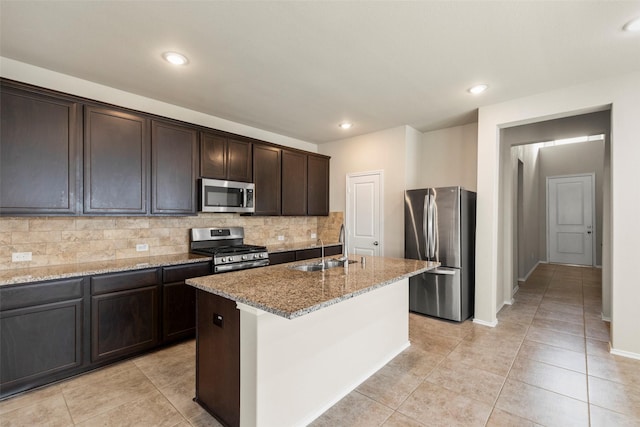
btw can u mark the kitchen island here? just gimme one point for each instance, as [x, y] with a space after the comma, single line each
[277, 346]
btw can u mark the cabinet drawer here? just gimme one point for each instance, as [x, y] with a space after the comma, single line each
[333, 250]
[282, 257]
[122, 281]
[308, 254]
[39, 293]
[180, 273]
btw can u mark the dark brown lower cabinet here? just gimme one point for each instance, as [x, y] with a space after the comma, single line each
[218, 357]
[282, 257]
[42, 333]
[302, 254]
[124, 314]
[179, 300]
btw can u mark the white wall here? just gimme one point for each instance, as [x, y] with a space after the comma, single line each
[37, 76]
[528, 154]
[622, 93]
[449, 157]
[384, 150]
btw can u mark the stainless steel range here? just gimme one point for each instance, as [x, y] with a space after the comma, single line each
[226, 246]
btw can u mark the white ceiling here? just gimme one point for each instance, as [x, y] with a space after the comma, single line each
[300, 68]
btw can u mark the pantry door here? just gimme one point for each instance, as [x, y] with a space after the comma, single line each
[364, 213]
[570, 219]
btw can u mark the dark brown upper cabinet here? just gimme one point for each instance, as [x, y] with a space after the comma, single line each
[225, 158]
[116, 154]
[174, 165]
[294, 183]
[317, 185]
[39, 153]
[267, 179]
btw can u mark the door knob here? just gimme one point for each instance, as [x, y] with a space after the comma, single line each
[375, 243]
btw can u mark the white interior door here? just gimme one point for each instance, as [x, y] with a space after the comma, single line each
[570, 219]
[364, 210]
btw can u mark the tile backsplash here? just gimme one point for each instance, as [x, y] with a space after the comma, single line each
[69, 240]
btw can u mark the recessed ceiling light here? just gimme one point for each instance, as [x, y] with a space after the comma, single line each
[175, 58]
[632, 26]
[345, 125]
[477, 89]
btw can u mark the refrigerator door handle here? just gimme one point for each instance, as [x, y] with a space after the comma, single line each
[431, 237]
[425, 225]
[442, 272]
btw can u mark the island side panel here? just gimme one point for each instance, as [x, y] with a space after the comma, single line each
[301, 367]
[218, 357]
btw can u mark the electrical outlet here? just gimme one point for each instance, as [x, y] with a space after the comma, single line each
[142, 247]
[314, 236]
[20, 256]
[280, 238]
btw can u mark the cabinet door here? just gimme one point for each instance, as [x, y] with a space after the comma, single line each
[213, 153]
[116, 148]
[124, 313]
[178, 311]
[294, 183]
[318, 188]
[39, 341]
[266, 176]
[123, 323]
[41, 333]
[239, 161]
[179, 300]
[39, 153]
[218, 357]
[174, 152]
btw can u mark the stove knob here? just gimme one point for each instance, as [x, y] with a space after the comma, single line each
[244, 257]
[223, 259]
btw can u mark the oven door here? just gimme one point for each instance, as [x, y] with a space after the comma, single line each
[226, 196]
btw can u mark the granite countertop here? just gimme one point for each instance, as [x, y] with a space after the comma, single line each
[296, 246]
[289, 293]
[37, 274]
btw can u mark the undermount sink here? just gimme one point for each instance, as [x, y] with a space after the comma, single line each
[317, 266]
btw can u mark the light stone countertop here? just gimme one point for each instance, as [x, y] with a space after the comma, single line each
[38, 274]
[289, 293]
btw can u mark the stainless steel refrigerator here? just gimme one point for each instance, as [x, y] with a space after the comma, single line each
[440, 225]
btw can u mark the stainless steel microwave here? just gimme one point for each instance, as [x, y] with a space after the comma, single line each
[226, 196]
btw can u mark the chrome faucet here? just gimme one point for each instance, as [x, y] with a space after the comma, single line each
[322, 252]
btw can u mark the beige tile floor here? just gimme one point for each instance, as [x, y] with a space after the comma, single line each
[546, 363]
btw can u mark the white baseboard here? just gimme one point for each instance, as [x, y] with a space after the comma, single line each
[605, 318]
[530, 271]
[623, 353]
[484, 323]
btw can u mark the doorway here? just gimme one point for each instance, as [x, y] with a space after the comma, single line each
[364, 213]
[570, 219]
